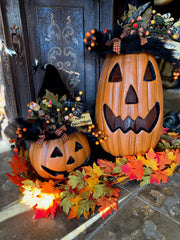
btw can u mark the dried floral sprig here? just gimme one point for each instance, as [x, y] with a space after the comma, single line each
[45, 116]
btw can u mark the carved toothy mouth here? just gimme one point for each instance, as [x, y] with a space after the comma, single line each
[147, 124]
[65, 173]
[54, 173]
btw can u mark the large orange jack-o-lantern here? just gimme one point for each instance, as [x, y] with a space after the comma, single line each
[129, 103]
[55, 159]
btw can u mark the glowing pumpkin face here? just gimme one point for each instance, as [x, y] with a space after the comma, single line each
[55, 159]
[129, 103]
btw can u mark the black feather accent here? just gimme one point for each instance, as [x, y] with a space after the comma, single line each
[156, 47]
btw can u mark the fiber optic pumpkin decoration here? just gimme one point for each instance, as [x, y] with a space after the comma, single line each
[129, 103]
[55, 159]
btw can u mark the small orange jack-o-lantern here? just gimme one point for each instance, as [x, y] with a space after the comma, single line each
[55, 159]
[129, 103]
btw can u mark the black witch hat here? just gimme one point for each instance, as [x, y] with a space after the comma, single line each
[140, 28]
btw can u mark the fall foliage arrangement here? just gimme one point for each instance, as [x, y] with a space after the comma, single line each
[129, 110]
[95, 185]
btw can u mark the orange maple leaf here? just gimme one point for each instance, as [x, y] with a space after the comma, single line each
[159, 176]
[107, 204]
[74, 212]
[48, 187]
[151, 155]
[163, 160]
[134, 169]
[177, 153]
[115, 192]
[17, 165]
[107, 165]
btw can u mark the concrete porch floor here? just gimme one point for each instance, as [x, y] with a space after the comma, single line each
[151, 212]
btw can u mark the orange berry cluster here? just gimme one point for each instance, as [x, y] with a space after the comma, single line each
[90, 39]
[176, 74]
[98, 134]
[19, 133]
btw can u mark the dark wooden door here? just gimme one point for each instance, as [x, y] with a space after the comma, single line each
[55, 33]
[52, 31]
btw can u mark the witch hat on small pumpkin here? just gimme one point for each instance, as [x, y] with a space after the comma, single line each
[50, 116]
[140, 28]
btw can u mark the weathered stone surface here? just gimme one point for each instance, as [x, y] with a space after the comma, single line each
[138, 221]
[164, 197]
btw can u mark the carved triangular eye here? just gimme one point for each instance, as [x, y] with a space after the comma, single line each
[115, 75]
[149, 73]
[78, 146]
[56, 153]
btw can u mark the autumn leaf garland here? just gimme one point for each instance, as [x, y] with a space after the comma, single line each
[94, 185]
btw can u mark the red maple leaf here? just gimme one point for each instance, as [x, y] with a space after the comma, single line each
[15, 179]
[44, 213]
[126, 168]
[163, 159]
[107, 204]
[107, 165]
[17, 165]
[159, 176]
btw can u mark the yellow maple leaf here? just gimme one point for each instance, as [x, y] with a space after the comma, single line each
[96, 171]
[121, 160]
[122, 179]
[91, 183]
[170, 154]
[151, 163]
[170, 171]
[173, 134]
[76, 199]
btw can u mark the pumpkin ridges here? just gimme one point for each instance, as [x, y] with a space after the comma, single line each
[41, 156]
[157, 94]
[118, 144]
[54, 161]
[143, 91]
[80, 137]
[100, 90]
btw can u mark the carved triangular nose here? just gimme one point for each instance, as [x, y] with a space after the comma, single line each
[70, 160]
[131, 96]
